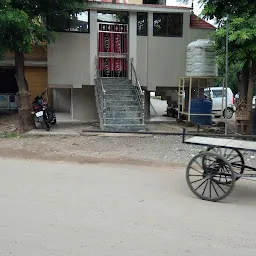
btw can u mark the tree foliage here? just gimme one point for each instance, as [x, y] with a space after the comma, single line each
[241, 39]
[23, 24]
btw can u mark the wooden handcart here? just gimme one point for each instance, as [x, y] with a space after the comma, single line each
[211, 175]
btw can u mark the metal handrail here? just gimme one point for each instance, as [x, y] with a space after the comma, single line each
[139, 91]
[100, 91]
[98, 76]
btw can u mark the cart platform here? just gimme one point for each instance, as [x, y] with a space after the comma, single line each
[211, 174]
[222, 142]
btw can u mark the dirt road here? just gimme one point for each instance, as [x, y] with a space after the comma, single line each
[57, 209]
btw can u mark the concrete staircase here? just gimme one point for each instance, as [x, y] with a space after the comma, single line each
[122, 109]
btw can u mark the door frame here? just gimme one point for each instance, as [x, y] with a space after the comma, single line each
[120, 34]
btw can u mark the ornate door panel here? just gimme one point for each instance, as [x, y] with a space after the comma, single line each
[112, 49]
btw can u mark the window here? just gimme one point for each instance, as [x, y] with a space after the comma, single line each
[142, 24]
[218, 93]
[78, 23]
[168, 24]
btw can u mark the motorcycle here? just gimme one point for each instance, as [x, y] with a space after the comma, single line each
[44, 114]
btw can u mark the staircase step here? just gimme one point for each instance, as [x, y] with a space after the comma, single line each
[119, 121]
[123, 114]
[121, 103]
[124, 128]
[117, 87]
[126, 92]
[120, 97]
[123, 108]
[121, 81]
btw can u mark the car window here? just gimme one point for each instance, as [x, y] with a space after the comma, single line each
[218, 93]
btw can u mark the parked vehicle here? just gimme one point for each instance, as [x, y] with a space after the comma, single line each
[215, 94]
[172, 111]
[44, 114]
[254, 102]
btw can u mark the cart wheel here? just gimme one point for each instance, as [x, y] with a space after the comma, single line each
[233, 156]
[210, 176]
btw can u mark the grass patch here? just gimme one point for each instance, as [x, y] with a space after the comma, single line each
[9, 135]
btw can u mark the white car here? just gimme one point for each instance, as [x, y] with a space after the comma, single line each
[215, 94]
[253, 102]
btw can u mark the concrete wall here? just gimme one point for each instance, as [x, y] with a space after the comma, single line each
[199, 34]
[133, 39]
[69, 60]
[62, 100]
[84, 104]
[161, 60]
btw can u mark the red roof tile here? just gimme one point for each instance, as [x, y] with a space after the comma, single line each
[196, 22]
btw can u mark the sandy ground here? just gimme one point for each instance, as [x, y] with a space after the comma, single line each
[91, 195]
[9, 122]
[58, 209]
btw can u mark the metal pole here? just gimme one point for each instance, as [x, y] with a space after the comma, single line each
[189, 99]
[226, 100]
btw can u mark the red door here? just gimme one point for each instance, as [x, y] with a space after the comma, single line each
[112, 49]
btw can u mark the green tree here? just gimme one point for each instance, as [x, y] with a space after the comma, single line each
[241, 37]
[23, 23]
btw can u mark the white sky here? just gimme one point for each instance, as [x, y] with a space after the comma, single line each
[197, 7]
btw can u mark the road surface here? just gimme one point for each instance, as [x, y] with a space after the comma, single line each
[64, 209]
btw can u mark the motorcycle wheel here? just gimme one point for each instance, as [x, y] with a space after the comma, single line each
[46, 126]
[54, 121]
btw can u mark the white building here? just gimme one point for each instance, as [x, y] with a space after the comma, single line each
[97, 69]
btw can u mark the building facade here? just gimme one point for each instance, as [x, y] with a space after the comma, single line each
[150, 38]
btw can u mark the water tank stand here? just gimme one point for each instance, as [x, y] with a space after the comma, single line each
[193, 87]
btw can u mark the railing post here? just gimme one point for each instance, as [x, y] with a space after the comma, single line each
[131, 69]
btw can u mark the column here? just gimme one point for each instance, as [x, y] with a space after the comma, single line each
[132, 40]
[93, 44]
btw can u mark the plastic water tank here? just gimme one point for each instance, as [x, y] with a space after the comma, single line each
[201, 106]
[201, 59]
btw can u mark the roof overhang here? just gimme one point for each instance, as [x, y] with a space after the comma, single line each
[100, 6]
[27, 63]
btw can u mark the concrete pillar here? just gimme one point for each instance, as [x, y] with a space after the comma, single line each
[132, 40]
[93, 44]
[147, 105]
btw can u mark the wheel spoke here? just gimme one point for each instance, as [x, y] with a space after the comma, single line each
[226, 178]
[210, 192]
[205, 186]
[200, 185]
[223, 173]
[214, 179]
[197, 180]
[230, 153]
[219, 186]
[227, 170]
[211, 160]
[225, 151]
[232, 158]
[198, 164]
[225, 167]
[215, 189]
[196, 170]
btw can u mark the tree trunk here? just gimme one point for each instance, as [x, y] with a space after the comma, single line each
[244, 81]
[26, 119]
[250, 95]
